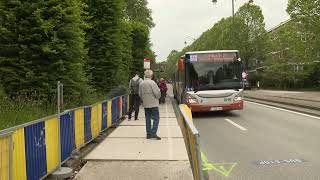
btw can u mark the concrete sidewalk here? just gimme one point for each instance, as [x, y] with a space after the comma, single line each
[127, 154]
[303, 101]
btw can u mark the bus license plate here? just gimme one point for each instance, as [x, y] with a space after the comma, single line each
[216, 109]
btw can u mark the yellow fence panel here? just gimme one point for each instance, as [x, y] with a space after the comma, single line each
[191, 135]
[193, 151]
[79, 127]
[109, 117]
[99, 117]
[187, 110]
[52, 143]
[19, 156]
[94, 122]
[4, 157]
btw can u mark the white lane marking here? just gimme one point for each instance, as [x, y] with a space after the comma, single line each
[236, 125]
[281, 109]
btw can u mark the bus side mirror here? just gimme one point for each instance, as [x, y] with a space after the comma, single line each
[181, 65]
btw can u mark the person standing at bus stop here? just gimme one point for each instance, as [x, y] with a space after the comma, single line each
[134, 96]
[150, 95]
[163, 90]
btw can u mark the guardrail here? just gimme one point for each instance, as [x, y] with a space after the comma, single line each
[192, 140]
[36, 149]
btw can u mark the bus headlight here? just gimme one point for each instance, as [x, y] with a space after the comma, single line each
[238, 97]
[192, 100]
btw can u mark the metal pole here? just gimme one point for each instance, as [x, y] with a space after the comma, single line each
[215, 1]
[59, 124]
[62, 103]
[10, 157]
[58, 96]
[232, 8]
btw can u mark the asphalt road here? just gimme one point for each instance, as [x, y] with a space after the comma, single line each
[264, 143]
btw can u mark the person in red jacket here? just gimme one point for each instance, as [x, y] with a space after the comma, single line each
[163, 89]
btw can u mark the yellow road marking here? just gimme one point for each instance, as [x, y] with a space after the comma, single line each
[220, 167]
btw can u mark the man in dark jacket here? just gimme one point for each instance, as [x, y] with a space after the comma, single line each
[134, 102]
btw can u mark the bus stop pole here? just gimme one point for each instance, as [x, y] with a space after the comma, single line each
[59, 124]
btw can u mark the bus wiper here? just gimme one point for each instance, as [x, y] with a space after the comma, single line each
[198, 89]
[206, 88]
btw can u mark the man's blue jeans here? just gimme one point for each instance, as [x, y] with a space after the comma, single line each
[152, 113]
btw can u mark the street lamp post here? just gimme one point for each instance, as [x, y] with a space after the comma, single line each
[189, 37]
[232, 8]
[215, 1]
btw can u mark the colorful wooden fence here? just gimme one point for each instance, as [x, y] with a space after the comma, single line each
[34, 150]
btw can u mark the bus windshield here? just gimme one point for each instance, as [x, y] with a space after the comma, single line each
[215, 74]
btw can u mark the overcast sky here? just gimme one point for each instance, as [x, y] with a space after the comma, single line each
[178, 21]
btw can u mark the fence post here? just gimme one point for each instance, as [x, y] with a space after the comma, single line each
[10, 156]
[62, 102]
[59, 96]
[59, 86]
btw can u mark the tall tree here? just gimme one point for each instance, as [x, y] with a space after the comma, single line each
[42, 42]
[171, 63]
[307, 14]
[126, 53]
[287, 53]
[137, 10]
[104, 43]
[140, 48]
[256, 33]
[139, 15]
[245, 32]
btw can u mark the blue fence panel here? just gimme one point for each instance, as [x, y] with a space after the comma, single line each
[67, 134]
[124, 105]
[87, 124]
[104, 115]
[114, 111]
[118, 108]
[127, 103]
[36, 161]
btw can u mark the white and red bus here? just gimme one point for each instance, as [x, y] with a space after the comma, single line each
[210, 80]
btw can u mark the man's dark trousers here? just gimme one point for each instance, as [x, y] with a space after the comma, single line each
[134, 105]
[152, 113]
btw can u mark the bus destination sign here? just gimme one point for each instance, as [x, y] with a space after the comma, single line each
[213, 57]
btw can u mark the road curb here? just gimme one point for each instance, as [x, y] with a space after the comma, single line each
[287, 106]
[285, 103]
[299, 99]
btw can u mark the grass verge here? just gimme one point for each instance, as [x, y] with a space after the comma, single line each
[21, 110]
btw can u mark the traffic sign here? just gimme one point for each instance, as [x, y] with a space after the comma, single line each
[147, 63]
